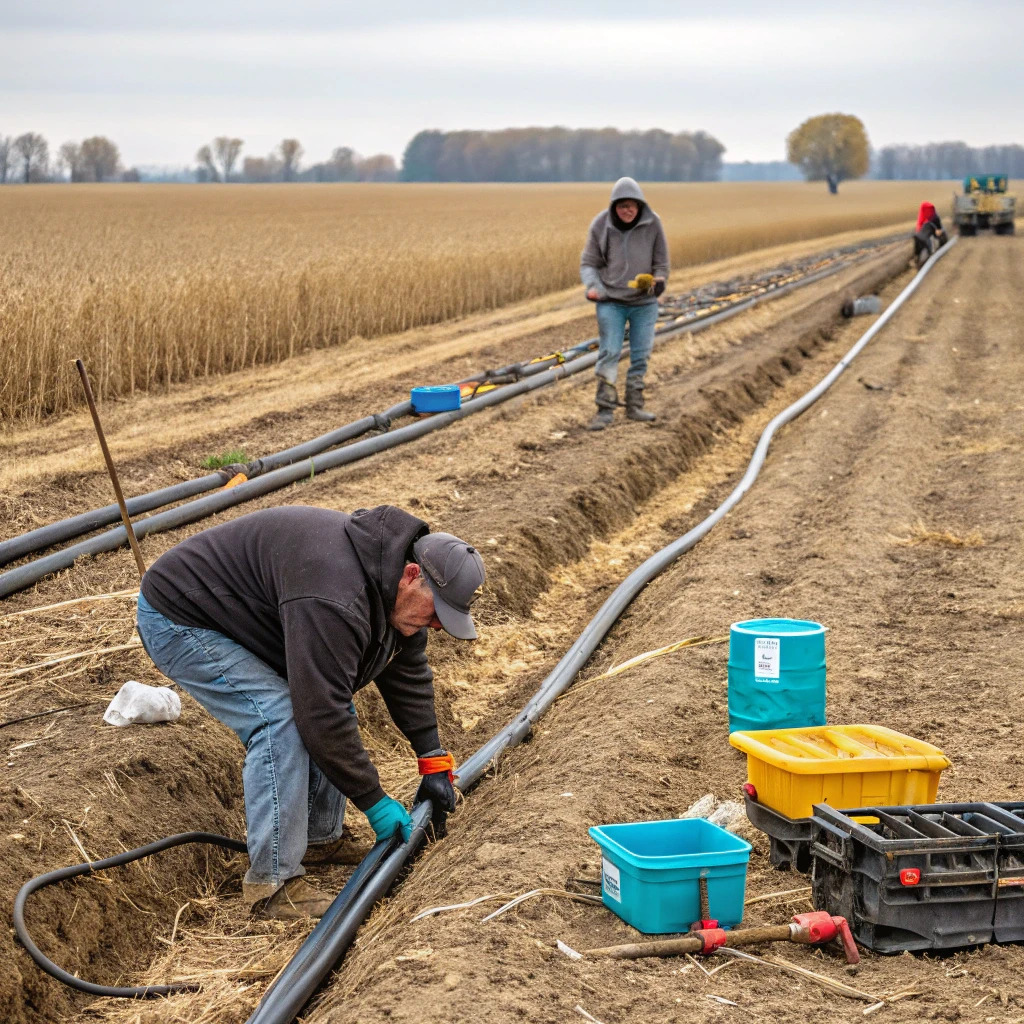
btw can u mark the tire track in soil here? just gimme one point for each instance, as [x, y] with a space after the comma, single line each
[924, 638]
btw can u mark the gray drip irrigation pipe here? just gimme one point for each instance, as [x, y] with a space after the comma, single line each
[532, 377]
[86, 522]
[329, 940]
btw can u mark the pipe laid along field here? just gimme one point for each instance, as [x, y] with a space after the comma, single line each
[165, 283]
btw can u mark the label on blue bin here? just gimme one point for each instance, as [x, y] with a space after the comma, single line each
[766, 659]
[610, 880]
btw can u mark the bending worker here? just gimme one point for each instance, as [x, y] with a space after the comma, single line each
[272, 622]
[929, 226]
[624, 268]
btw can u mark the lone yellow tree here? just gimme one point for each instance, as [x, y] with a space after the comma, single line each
[830, 147]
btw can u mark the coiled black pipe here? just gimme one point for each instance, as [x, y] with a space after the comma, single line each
[532, 377]
[285, 999]
[61, 874]
[362, 874]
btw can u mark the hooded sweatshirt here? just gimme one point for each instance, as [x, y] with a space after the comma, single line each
[614, 255]
[309, 591]
[926, 214]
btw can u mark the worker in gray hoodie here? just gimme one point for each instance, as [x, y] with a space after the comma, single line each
[624, 268]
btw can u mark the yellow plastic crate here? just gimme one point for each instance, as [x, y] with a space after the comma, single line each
[845, 766]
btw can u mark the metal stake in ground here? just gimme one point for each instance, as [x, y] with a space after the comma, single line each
[110, 467]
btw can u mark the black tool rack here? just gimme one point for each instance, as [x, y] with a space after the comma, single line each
[789, 838]
[929, 877]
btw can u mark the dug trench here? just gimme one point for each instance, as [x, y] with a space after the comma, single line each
[102, 792]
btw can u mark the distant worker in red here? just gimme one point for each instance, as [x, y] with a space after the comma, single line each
[929, 234]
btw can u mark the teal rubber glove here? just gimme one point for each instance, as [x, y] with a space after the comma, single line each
[386, 816]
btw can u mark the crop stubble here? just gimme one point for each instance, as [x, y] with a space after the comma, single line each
[165, 283]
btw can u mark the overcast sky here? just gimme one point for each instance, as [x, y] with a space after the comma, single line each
[163, 78]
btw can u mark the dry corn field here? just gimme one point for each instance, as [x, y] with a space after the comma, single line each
[163, 283]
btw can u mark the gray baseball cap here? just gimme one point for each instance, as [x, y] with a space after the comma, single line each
[455, 573]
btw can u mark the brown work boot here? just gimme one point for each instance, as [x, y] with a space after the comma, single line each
[343, 850]
[296, 900]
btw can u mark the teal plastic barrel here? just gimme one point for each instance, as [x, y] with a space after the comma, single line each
[776, 674]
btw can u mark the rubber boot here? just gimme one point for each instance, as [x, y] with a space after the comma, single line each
[635, 403]
[296, 900]
[607, 398]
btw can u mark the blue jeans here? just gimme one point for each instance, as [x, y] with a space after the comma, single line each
[611, 323]
[289, 802]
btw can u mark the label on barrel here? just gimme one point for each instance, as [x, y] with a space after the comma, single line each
[766, 659]
[610, 877]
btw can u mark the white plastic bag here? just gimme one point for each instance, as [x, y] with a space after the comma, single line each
[137, 703]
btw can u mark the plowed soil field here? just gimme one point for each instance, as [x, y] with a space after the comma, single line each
[890, 511]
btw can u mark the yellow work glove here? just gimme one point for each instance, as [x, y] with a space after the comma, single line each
[644, 282]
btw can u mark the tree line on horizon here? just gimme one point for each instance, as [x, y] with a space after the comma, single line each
[218, 161]
[518, 155]
[561, 154]
[942, 161]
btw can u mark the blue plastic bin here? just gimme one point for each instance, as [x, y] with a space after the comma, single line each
[776, 674]
[436, 398]
[650, 873]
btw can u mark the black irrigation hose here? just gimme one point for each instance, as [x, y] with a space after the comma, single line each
[51, 711]
[31, 886]
[316, 957]
[532, 377]
[67, 529]
[296, 983]
[377, 421]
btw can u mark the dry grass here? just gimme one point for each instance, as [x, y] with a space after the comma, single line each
[921, 533]
[216, 946]
[155, 284]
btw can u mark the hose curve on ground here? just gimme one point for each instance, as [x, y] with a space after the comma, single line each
[51, 877]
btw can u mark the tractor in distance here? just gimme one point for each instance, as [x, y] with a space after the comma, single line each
[985, 203]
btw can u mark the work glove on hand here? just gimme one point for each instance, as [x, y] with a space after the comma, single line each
[387, 816]
[439, 789]
[659, 286]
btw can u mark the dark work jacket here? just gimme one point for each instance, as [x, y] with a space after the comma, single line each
[309, 591]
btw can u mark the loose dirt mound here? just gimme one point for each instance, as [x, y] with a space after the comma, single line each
[568, 513]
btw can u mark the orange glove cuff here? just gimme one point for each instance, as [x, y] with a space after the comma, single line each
[435, 765]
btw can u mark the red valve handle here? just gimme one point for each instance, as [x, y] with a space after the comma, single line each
[846, 937]
[823, 927]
